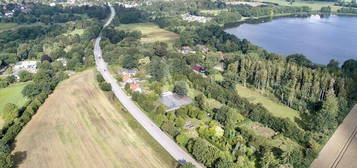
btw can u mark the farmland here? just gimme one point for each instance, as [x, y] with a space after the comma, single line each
[150, 32]
[274, 107]
[86, 129]
[314, 5]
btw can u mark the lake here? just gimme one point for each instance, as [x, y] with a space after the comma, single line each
[319, 38]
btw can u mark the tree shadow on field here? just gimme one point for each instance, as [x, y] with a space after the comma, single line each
[19, 157]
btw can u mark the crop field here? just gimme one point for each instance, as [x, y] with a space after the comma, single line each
[75, 31]
[11, 94]
[276, 108]
[151, 32]
[81, 126]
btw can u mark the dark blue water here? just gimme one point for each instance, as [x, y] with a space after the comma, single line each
[319, 39]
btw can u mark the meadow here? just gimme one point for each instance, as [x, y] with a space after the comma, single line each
[12, 94]
[276, 108]
[151, 32]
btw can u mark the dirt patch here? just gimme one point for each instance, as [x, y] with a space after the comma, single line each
[341, 149]
[78, 126]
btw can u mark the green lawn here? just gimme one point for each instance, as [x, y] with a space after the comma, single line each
[7, 26]
[12, 94]
[75, 31]
[276, 108]
[314, 5]
[150, 32]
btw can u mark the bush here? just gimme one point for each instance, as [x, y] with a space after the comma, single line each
[105, 86]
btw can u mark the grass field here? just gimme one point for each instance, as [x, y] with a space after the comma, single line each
[7, 26]
[80, 126]
[150, 32]
[314, 5]
[274, 107]
[11, 94]
[75, 31]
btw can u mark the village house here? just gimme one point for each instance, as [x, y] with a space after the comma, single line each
[202, 48]
[29, 66]
[186, 50]
[135, 88]
[198, 68]
[127, 79]
[63, 61]
[127, 72]
[193, 18]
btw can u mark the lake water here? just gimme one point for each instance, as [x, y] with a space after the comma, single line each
[319, 38]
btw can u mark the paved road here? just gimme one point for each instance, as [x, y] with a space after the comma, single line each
[166, 142]
[340, 150]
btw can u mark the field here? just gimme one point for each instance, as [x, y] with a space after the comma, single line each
[11, 94]
[7, 26]
[274, 107]
[81, 126]
[314, 5]
[76, 31]
[341, 149]
[151, 32]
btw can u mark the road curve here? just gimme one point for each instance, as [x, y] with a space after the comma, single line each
[164, 140]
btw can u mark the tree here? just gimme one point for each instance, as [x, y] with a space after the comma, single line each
[180, 88]
[187, 165]
[10, 112]
[160, 49]
[6, 161]
[105, 86]
[182, 139]
[25, 76]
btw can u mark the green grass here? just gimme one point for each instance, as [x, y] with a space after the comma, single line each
[12, 94]
[314, 5]
[276, 108]
[75, 31]
[7, 26]
[151, 32]
[213, 12]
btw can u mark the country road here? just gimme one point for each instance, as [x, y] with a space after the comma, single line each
[164, 140]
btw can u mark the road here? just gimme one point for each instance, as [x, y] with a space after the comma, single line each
[166, 142]
[340, 150]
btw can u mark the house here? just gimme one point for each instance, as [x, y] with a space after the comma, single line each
[173, 101]
[127, 72]
[202, 48]
[135, 87]
[219, 67]
[63, 61]
[186, 50]
[198, 69]
[29, 66]
[127, 79]
[193, 18]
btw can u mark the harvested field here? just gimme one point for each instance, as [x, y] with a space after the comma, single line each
[78, 126]
[341, 150]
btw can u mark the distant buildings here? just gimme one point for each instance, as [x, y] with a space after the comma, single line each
[173, 101]
[193, 18]
[186, 50]
[198, 68]
[63, 61]
[29, 66]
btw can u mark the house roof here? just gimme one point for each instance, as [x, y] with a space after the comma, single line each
[126, 78]
[134, 86]
[197, 67]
